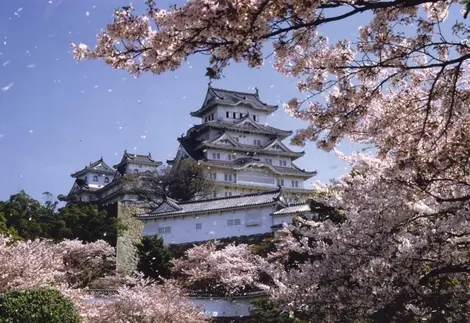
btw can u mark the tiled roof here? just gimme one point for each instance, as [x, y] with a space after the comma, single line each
[253, 149]
[262, 129]
[98, 166]
[227, 97]
[189, 146]
[241, 163]
[218, 204]
[138, 159]
[294, 208]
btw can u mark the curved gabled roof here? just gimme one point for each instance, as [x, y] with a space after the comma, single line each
[242, 163]
[138, 159]
[239, 127]
[98, 166]
[218, 204]
[226, 97]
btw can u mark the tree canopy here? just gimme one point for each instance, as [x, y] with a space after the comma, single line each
[27, 218]
[181, 182]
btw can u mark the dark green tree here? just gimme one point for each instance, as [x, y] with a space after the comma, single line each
[154, 258]
[86, 222]
[25, 215]
[31, 219]
[37, 305]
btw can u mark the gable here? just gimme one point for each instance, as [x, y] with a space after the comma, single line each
[166, 206]
[226, 139]
[277, 145]
[247, 123]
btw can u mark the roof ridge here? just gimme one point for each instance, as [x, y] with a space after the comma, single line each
[232, 91]
[278, 190]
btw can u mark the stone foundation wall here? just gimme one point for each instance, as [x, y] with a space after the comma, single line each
[129, 235]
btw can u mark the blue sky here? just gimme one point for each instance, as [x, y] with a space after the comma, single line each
[57, 115]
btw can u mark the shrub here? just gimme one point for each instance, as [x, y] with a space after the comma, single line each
[37, 305]
[154, 258]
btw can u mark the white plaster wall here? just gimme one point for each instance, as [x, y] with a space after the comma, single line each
[214, 226]
[141, 168]
[288, 181]
[101, 179]
[257, 177]
[276, 159]
[222, 109]
[223, 307]
[223, 154]
[282, 219]
[248, 139]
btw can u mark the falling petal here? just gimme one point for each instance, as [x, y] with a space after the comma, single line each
[6, 88]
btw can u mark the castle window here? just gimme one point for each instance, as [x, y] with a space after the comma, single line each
[230, 157]
[213, 176]
[227, 114]
[164, 230]
[241, 115]
[136, 171]
[255, 117]
[233, 222]
[295, 183]
[95, 178]
[215, 155]
[228, 177]
[280, 182]
[198, 226]
[86, 179]
[257, 142]
[268, 161]
[234, 115]
[106, 179]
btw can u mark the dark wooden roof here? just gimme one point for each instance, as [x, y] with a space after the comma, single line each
[98, 166]
[214, 205]
[262, 129]
[137, 159]
[227, 97]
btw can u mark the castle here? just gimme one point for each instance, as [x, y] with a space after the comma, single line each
[257, 184]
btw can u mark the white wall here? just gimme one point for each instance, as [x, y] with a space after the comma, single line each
[223, 307]
[214, 226]
[101, 179]
[141, 168]
[248, 139]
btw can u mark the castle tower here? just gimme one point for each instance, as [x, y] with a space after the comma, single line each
[241, 152]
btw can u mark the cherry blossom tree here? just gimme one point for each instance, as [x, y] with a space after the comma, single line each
[84, 263]
[229, 269]
[401, 86]
[26, 264]
[148, 302]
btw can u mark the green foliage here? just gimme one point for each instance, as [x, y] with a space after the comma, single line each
[85, 222]
[265, 247]
[27, 218]
[154, 258]
[37, 305]
[6, 230]
[267, 311]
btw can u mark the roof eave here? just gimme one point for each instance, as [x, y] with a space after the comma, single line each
[199, 113]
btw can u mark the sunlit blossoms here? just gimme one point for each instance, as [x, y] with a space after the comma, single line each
[150, 303]
[230, 269]
[400, 85]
